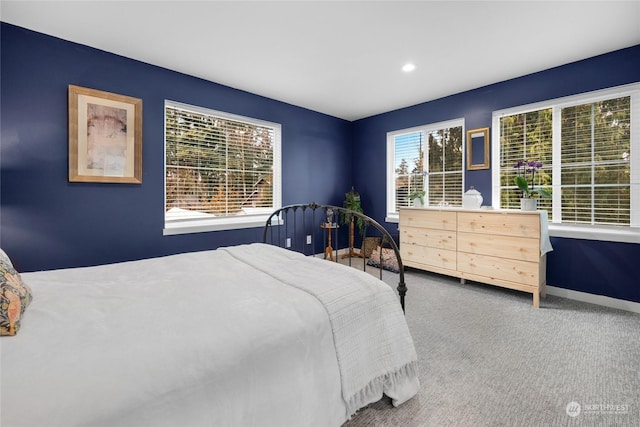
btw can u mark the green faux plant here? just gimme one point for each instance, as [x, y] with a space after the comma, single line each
[352, 202]
[417, 195]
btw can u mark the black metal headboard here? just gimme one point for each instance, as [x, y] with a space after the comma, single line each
[296, 226]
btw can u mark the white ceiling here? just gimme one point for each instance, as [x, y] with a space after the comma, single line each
[342, 58]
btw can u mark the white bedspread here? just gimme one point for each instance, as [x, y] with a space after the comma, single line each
[374, 349]
[207, 338]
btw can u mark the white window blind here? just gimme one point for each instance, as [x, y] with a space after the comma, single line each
[529, 137]
[586, 144]
[596, 169]
[444, 174]
[426, 158]
[409, 160]
[219, 168]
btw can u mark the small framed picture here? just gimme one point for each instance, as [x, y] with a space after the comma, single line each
[478, 149]
[105, 137]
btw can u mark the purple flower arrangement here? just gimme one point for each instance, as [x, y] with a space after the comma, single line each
[527, 170]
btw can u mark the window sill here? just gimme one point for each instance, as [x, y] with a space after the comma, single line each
[206, 225]
[607, 234]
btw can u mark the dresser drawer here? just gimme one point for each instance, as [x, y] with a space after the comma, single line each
[519, 248]
[500, 269]
[436, 220]
[513, 224]
[426, 256]
[443, 239]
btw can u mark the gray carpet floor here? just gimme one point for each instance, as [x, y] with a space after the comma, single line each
[488, 358]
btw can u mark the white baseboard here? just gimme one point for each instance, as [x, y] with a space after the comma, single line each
[594, 299]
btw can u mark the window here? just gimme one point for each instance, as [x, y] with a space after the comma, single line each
[426, 158]
[589, 154]
[221, 171]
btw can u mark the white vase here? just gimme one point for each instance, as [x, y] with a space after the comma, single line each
[417, 203]
[528, 204]
[472, 199]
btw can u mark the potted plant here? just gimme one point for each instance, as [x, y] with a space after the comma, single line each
[417, 198]
[527, 170]
[352, 202]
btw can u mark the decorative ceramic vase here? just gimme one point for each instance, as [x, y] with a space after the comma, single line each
[528, 204]
[417, 203]
[472, 199]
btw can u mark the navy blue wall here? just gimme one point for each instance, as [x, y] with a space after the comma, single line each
[602, 268]
[47, 222]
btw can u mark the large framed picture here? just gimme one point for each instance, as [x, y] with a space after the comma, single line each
[105, 137]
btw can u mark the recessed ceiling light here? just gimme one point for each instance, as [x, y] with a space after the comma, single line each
[408, 67]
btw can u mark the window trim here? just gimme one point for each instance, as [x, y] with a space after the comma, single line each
[199, 224]
[629, 234]
[391, 215]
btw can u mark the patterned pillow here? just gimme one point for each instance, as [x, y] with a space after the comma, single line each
[15, 296]
[4, 258]
[389, 260]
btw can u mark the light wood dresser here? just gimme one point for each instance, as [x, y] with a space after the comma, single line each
[498, 247]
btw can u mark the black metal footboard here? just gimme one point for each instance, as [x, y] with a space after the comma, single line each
[313, 229]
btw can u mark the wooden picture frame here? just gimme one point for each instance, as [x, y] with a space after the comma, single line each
[105, 137]
[478, 149]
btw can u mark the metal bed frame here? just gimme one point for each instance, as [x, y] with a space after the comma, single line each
[295, 227]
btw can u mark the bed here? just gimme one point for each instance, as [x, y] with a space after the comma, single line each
[253, 334]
